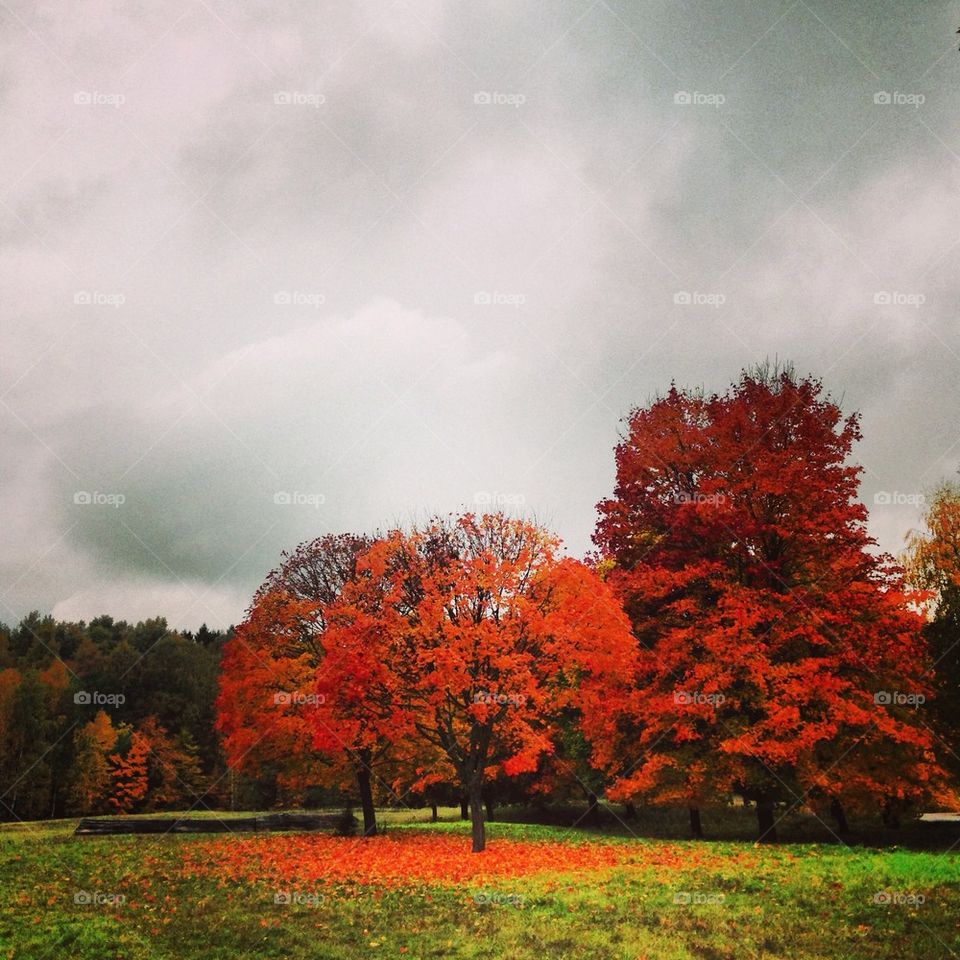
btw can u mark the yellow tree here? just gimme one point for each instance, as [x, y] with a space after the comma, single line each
[933, 564]
[90, 777]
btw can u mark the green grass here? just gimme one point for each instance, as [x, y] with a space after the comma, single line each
[798, 901]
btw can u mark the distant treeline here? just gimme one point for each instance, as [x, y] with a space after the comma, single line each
[112, 717]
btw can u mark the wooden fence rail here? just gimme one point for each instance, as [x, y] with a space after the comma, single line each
[266, 824]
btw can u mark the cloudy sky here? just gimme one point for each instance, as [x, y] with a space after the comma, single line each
[276, 269]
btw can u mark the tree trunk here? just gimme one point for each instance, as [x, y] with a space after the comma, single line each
[464, 808]
[629, 811]
[433, 813]
[366, 801]
[696, 827]
[838, 814]
[477, 829]
[767, 828]
[490, 806]
[593, 811]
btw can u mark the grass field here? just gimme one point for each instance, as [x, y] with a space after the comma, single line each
[537, 892]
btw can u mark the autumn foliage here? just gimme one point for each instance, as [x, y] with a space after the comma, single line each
[736, 635]
[270, 710]
[772, 643]
[416, 858]
[933, 565]
[489, 636]
[448, 652]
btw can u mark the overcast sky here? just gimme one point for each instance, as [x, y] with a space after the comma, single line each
[276, 269]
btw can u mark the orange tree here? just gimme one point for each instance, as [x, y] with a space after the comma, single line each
[778, 657]
[269, 709]
[488, 636]
[360, 708]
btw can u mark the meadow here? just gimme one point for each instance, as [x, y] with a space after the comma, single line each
[538, 891]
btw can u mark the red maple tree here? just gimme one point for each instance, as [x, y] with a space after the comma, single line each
[770, 637]
[270, 708]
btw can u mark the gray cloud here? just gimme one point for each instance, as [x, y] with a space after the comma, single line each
[394, 257]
